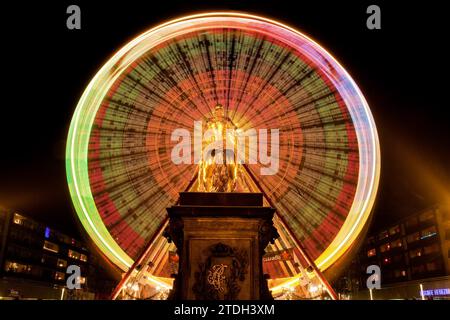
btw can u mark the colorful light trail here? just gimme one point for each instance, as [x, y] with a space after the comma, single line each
[266, 75]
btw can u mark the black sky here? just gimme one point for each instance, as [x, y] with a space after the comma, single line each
[401, 70]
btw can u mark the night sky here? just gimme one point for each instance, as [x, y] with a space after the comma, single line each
[399, 68]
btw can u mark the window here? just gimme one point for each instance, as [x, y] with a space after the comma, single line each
[397, 243]
[61, 263]
[415, 253]
[428, 232]
[429, 215]
[433, 248]
[418, 269]
[49, 260]
[412, 222]
[77, 256]
[18, 219]
[413, 237]
[59, 276]
[432, 266]
[383, 235]
[400, 273]
[394, 230]
[25, 222]
[74, 255]
[50, 246]
[66, 239]
[11, 266]
[385, 247]
[29, 270]
[61, 237]
[371, 240]
[82, 280]
[372, 252]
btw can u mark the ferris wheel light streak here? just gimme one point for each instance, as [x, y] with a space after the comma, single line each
[116, 163]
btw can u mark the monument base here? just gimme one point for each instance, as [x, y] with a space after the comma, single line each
[220, 240]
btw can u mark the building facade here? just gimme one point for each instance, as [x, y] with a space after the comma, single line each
[34, 259]
[413, 255]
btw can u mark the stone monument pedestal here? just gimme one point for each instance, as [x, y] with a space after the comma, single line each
[220, 240]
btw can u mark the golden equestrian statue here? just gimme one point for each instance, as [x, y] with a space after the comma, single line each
[219, 169]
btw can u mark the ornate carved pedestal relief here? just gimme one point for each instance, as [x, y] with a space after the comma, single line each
[220, 245]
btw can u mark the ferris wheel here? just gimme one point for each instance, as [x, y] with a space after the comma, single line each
[265, 75]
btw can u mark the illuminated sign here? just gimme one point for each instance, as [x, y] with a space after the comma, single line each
[437, 292]
[283, 255]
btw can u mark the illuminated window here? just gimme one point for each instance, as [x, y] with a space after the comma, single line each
[415, 253]
[428, 232]
[74, 255]
[371, 252]
[83, 257]
[397, 243]
[11, 266]
[61, 263]
[18, 219]
[394, 230]
[59, 276]
[385, 247]
[400, 273]
[82, 280]
[50, 246]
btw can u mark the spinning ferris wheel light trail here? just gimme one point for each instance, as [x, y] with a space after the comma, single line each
[265, 75]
